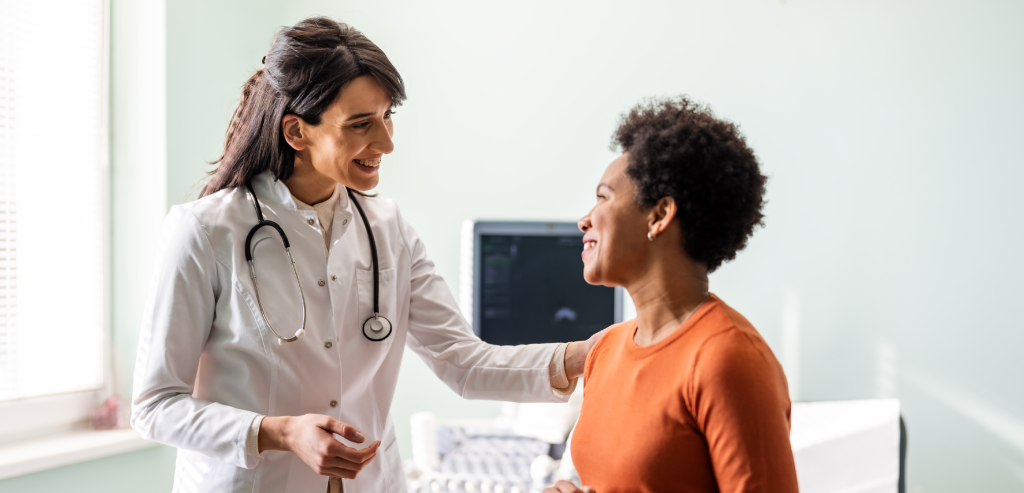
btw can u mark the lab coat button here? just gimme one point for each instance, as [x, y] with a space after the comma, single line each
[328, 344]
[321, 282]
[310, 221]
[334, 278]
[334, 403]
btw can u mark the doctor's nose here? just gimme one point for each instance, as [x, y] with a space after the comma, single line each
[382, 142]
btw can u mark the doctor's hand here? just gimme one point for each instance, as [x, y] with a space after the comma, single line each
[311, 437]
[576, 355]
[567, 487]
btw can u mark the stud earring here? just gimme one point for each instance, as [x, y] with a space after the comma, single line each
[650, 236]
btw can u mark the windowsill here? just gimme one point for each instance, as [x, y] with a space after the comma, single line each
[64, 449]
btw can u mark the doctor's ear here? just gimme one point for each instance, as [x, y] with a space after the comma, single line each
[291, 127]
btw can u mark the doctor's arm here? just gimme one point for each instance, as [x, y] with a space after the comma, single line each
[443, 338]
[176, 324]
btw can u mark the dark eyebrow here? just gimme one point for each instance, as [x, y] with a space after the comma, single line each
[358, 116]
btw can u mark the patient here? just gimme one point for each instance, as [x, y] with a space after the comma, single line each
[687, 397]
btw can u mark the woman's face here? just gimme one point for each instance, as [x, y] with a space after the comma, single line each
[353, 135]
[615, 240]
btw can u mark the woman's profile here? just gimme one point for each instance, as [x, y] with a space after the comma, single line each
[686, 397]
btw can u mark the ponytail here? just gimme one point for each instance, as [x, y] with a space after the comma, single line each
[253, 142]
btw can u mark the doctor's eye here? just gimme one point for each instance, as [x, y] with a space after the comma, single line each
[390, 114]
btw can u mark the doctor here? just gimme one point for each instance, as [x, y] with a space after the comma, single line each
[251, 368]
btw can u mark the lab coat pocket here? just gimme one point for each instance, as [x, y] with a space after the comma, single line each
[387, 301]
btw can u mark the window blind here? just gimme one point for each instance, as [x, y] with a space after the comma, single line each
[53, 182]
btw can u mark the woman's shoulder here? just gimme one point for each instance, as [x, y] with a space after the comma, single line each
[732, 348]
[723, 326]
[611, 340]
[617, 332]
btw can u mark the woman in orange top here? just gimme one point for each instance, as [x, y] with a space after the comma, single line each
[687, 397]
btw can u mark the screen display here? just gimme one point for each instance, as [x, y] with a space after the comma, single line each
[532, 291]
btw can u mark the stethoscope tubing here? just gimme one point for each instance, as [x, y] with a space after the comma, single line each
[373, 252]
[252, 269]
[373, 328]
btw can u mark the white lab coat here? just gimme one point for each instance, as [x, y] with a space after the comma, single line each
[208, 364]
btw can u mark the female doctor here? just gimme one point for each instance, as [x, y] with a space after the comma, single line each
[283, 297]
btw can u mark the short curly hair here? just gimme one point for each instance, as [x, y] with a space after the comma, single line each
[678, 148]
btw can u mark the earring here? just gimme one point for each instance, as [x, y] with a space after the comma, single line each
[649, 236]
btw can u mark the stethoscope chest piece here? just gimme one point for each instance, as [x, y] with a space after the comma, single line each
[377, 328]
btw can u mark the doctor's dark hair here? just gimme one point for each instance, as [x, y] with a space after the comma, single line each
[679, 149]
[303, 73]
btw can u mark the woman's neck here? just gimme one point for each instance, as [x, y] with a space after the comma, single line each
[309, 185]
[665, 296]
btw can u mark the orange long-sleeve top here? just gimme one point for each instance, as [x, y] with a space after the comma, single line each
[706, 409]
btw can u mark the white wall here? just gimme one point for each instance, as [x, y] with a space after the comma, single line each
[890, 262]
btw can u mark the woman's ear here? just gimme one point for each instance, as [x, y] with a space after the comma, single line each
[291, 127]
[661, 216]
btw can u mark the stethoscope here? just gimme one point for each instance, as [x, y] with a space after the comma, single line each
[375, 328]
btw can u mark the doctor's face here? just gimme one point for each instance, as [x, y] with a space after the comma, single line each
[615, 242]
[353, 136]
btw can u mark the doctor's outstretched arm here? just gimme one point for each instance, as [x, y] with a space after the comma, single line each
[445, 341]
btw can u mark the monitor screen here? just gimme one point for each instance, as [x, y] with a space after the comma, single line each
[531, 290]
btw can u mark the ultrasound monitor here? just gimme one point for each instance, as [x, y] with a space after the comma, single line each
[526, 284]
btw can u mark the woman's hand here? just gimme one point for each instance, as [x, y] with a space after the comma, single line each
[311, 438]
[567, 487]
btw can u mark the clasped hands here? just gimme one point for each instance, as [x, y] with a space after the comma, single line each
[311, 437]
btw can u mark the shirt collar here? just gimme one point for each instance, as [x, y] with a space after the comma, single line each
[269, 189]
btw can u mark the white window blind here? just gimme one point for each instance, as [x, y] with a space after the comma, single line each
[53, 186]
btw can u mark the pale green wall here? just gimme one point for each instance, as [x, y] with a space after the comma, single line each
[212, 49]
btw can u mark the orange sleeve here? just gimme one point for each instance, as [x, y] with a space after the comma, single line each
[741, 404]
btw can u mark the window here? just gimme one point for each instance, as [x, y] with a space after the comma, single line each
[53, 195]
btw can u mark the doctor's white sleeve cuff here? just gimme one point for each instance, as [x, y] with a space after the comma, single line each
[559, 381]
[252, 440]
